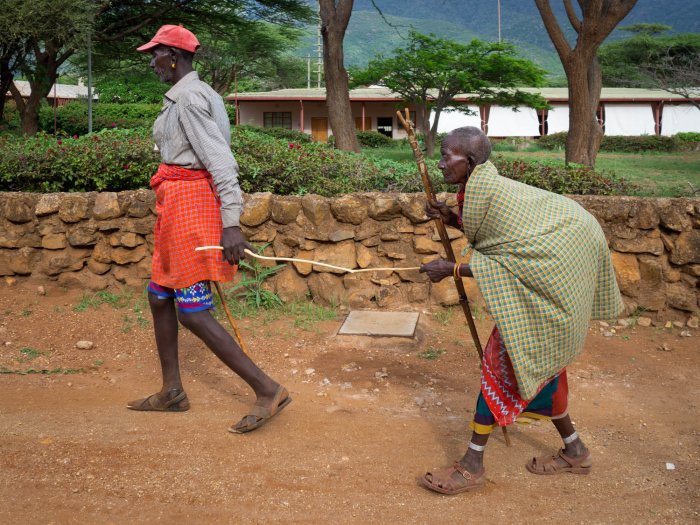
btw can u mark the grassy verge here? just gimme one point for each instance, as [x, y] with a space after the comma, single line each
[654, 174]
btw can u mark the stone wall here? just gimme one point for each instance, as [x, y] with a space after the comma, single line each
[96, 240]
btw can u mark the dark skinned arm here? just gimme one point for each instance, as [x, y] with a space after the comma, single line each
[439, 210]
[234, 242]
[438, 269]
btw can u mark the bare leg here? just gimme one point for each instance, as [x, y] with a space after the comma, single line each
[473, 460]
[171, 397]
[565, 427]
[165, 327]
[219, 341]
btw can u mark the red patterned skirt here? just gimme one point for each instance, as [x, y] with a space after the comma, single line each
[189, 215]
[499, 402]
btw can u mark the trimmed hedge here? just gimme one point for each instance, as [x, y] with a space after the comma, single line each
[374, 139]
[121, 159]
[621, 144]
[291, 135]
[110, 160]
[572, 179]
[72, 119]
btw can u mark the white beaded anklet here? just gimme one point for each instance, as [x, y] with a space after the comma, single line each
[573, 437]
[477, 448]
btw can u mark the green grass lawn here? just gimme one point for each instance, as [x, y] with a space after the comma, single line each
[655, 174]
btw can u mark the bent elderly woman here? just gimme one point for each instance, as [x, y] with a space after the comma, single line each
[198, 202]
[543, 266]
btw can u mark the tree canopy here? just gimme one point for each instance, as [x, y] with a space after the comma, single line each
[431, 71]
[51, 31]
[648, 59]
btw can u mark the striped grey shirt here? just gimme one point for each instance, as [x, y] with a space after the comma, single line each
[193, 131]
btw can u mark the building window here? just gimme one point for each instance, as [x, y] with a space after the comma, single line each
[385, 126]
[277, 119]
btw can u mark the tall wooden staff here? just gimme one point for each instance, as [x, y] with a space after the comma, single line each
[442, 232]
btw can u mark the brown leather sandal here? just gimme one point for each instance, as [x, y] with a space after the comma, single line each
[259, 415]
[442, 481]
[550, 465]
[176, 403]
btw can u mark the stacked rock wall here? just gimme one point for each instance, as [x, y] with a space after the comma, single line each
[95, 240]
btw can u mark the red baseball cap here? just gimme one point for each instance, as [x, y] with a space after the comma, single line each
[172, 36]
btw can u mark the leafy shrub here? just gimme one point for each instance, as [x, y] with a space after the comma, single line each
[287, 168]
[554, 176]
[141, 87]
[291, 135]
[10, 123]
[639, 143]
[554, 141]
[614, 143]
[120, 159]
[688, 136]
[374, 139]
[72, 118]
[111, 160]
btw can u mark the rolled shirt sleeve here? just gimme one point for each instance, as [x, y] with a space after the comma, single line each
[215, 154]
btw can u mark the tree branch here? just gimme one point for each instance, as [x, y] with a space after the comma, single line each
[573, 19]
[554, 30]
[394, 27]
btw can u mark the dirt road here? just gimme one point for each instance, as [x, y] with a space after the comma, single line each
[369, 416]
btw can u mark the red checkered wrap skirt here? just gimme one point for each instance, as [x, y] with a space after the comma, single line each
[189, 216]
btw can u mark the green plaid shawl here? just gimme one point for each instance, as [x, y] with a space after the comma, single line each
[543, 266]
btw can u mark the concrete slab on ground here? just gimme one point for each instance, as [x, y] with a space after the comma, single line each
[392, 324]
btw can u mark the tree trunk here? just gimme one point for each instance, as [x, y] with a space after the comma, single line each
[585, 133]
[431, 133]
[30, 114]
[5, 81]
[583, 76]
[335, 15]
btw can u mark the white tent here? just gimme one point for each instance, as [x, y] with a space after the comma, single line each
[558, 118]
[504, 122]
[678, 118]
[629, 119]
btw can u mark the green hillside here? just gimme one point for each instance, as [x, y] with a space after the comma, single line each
[462, 20]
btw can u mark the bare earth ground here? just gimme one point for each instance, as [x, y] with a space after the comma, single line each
[365, 423]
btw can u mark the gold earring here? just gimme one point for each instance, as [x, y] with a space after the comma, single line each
[173, 65]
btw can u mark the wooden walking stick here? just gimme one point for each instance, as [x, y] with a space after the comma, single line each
[442, 232]
[241, 342]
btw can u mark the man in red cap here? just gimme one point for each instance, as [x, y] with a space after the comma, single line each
[198, 202]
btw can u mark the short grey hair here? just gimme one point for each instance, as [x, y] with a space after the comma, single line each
[473, 142]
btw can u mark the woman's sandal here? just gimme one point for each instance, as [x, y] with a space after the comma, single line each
[442, 481]
[177, 402]
[550, 465]
[259, 415]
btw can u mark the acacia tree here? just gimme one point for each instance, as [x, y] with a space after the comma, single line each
[244, 52]
[335, 16]
[58, 28]
[648, 59]
[583, 75]
[51, 30]
[13, 48]
[431, 71]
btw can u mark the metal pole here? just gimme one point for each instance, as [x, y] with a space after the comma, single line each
[89, 86]
[499, 20]
[308, 71]
[319, 59]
